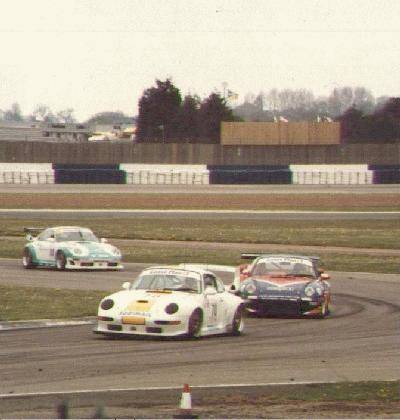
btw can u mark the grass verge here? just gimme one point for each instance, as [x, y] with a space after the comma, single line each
[159, 253]
[24, 303]
[345, 233]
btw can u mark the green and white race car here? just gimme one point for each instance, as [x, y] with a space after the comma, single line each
[69, 247]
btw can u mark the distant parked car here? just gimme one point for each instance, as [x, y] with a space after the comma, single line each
[284, 285]
[171, 301]
[69, 247]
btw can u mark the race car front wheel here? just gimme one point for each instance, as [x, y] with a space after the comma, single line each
[27, 259]
[61, 261]
[195, 323]
[237, 321]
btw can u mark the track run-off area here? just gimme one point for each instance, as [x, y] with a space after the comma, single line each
[359, 341]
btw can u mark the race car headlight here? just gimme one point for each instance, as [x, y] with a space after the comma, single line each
[309, 291]
[313, 290]
[249, 288]
[79, 251]
[319, 291]
[107, 304]
[115, 251]
[171, 308]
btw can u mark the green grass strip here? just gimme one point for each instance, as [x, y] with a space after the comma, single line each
[25, 303]
[384, 234]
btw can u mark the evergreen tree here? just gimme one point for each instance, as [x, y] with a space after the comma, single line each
[212, 112]
[159, 110]
[189, 119]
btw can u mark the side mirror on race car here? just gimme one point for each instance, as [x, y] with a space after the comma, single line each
[244, 268]
[126, 285]
[210, 290]
[325, 276]
[29, 237]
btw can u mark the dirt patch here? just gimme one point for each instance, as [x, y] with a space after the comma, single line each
[202, 201]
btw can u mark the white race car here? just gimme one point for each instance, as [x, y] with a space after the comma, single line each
[69, 247]
[183, 300]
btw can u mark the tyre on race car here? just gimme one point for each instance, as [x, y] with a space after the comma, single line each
[27, 259]
[61, 261]
[237, 321]
[195, 323]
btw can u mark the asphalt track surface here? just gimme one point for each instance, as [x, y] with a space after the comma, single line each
[201, 214]
[358, 341]
[200, 189]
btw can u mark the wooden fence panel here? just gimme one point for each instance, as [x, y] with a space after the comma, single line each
[280, 133]
[213, 154]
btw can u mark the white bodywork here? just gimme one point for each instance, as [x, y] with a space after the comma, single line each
[87, 252]
[143, 311]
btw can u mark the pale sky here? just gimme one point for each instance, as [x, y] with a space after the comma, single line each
[99, 55]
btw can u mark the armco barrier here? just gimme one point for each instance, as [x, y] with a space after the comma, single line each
[261, 174]
[25, 173]
[89, 176]
[385, 174]
[21, 177]
[165, 174]
[146, 177]
[331, 174]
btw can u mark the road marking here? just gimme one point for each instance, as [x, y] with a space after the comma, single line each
[169, 388]
[26, 325]
[181, 211]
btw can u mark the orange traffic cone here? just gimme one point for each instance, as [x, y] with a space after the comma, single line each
[185, 406]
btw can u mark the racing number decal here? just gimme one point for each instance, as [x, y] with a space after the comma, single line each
[213, 312]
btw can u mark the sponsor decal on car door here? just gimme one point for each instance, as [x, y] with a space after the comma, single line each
[212, 310]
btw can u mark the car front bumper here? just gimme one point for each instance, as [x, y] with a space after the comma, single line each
[163, 328]
[283, 306]
[92, 264]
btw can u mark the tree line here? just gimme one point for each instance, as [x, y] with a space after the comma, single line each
[164, 115]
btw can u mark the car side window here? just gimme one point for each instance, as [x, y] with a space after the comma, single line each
[46, 235]
[210, 281]
[220, 286]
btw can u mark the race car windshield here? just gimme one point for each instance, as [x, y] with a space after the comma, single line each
[282, 267]
[76, 236]
[167, 282]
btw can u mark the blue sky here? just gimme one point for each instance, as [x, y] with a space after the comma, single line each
[99, 55]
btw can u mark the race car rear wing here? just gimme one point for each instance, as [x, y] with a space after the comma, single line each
[30, 231]
[215, 267]
[33, 229]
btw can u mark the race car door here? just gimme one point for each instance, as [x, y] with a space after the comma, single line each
[45, 246]
[215, 304]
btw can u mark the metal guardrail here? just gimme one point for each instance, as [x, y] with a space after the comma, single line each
[332, 177]
[167, 178]
[148, 177]
[31, 177]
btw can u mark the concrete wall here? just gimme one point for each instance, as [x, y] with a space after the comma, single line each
[108, 153]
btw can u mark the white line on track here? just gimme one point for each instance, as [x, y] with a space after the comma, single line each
[194, 211]
[161, 388]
